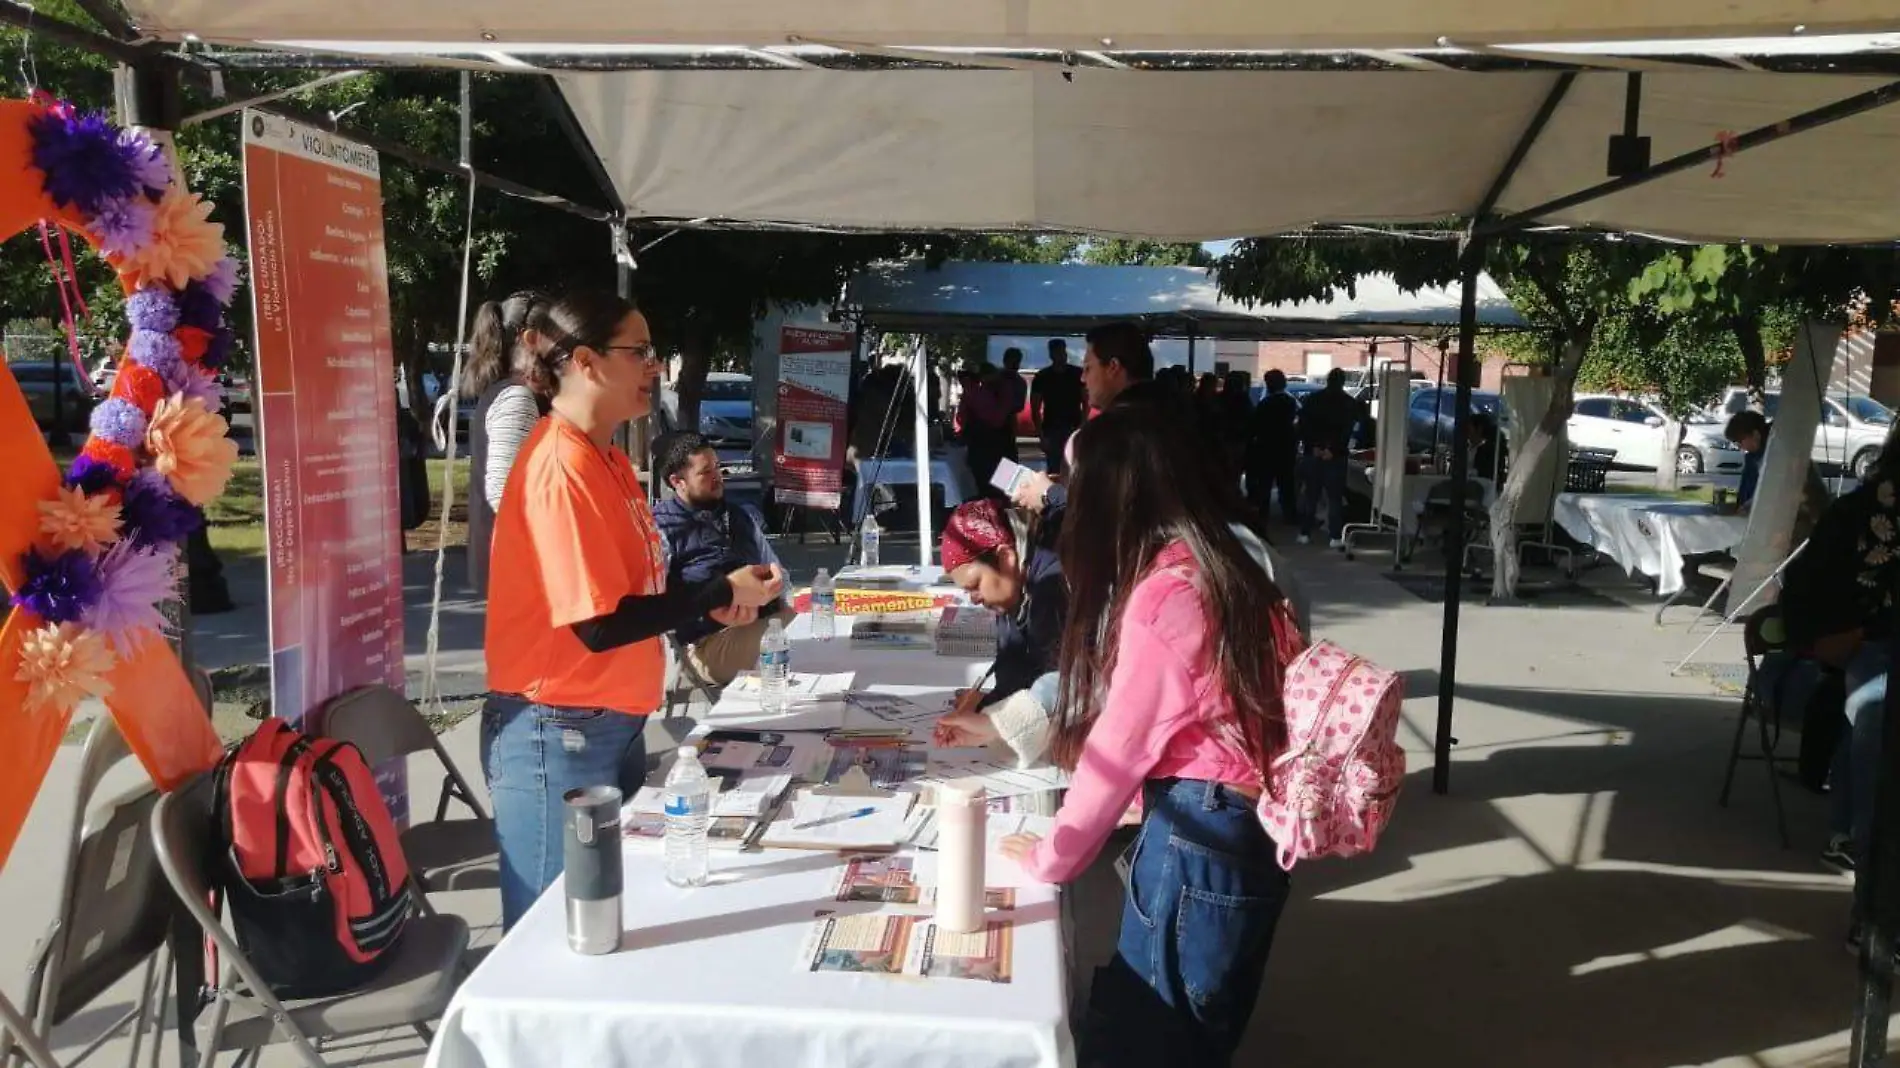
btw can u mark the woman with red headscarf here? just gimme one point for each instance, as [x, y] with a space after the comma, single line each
[1005, 559]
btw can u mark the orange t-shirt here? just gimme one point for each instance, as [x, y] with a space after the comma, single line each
[573, 536]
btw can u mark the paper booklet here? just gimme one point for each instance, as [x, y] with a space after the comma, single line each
[726, 832]
[891, 880]
[996, 779]
[816, 821]
[895, 630]
[794, 753]
[968, 631]
[914, 946]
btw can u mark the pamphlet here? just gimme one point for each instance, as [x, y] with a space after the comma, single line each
[977, 771]
[895, 630]
[725, 832]
[967, 631]
[1009, 475]
[896, 711]
[749, 795]
[820, 821]
[891, 880]
[801, 688]
[886, 764]
[985, 955]
[794, 753]
[899, 945]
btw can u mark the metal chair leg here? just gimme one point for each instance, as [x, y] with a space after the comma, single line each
[1735, 750]
[30, 1044]
[1774, 780]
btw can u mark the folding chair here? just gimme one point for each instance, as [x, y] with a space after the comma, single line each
[1763, 634]
[112, 911]
[1434, 515]
[443, 854]
[14, 1029]
[412, 989]
[1722, 571]
[683, 682]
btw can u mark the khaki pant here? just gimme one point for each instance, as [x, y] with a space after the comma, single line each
[719, 658]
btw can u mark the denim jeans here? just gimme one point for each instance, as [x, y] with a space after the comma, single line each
[1204, 896]
[531, 755]
[1857, 759]
[1323, 480]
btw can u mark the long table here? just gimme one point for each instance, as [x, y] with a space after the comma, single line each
[710, 978]
[1651, 535]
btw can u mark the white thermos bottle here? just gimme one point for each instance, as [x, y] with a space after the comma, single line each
[961, 848]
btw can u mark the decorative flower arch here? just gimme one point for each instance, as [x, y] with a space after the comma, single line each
[87, 557]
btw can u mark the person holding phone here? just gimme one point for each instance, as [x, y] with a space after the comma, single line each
[574, 619]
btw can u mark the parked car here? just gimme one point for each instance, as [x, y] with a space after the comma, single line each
[1852, 432]
[37, 379]
[725, 409]
[1635, 431]
[1436, 406]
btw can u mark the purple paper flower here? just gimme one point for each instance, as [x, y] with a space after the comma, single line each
[217, 350]
[119, 421]
[222, 282]
[84, 161]
[132, 582]
[194, 383]
[158, 351]
[149, 163]
[199, 307]
[153, 515]
[152, 308]
[92, 476]
[123, 225]
[58, 589]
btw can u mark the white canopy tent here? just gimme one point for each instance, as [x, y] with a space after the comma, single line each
[425, 25]
[1207, 155]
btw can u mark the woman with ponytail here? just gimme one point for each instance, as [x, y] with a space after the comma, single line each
[505, 412]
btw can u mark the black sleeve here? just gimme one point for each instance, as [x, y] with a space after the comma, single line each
[639, 618]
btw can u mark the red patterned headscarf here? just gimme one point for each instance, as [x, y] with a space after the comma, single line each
[975, 528]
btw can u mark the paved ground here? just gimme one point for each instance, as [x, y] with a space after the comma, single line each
[1577, 899]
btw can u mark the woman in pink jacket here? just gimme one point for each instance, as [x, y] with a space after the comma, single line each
[1171, 666]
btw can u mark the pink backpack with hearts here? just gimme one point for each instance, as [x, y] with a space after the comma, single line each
[1330, 793]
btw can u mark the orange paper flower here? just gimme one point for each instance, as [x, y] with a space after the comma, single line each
[62, 665]
[73, 520]
[186, 244]
[139, 384]
[189, 448]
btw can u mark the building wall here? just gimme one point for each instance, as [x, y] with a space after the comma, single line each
[1314, 359]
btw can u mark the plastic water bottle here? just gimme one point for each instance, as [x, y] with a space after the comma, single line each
[868, 536]
[687, 801]
[775, 666]
[824, 606]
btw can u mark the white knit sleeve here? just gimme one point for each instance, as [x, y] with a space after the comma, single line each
[510, 420]
[1024, 725]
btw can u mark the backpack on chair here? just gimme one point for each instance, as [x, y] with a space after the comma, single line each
[1331, 792]
[313, 872]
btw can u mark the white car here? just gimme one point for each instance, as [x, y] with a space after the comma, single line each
[1852, 432]
[1635, 431]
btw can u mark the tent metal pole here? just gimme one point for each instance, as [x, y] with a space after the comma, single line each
[1762, 135]
[1471, 260]
[920, 388]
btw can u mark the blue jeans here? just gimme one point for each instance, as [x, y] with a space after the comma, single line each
[1204, 896]
[1857, 758]
[1323, 480]
[531, 755]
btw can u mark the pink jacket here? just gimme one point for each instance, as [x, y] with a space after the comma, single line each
[1155, 723]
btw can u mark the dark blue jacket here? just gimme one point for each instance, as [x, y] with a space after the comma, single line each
[702, 543]
[1029, 638]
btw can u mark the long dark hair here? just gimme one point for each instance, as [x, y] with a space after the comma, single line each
[582, 319]
[1140, 484]
[493, 337]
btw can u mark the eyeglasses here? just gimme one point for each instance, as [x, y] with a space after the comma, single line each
[639, 352]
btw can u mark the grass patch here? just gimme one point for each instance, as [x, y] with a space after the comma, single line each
[1691, 494]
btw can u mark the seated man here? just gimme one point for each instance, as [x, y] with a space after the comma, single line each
[706, 536]
[1749, 431]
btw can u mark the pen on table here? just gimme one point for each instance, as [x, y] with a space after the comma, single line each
[839, 818]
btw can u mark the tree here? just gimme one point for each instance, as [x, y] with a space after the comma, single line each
[1121, 253]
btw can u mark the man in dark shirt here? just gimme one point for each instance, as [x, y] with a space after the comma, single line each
[1012, 394]
[1055, 405]
[1749, 431]
[1326, 427]
[1273, 449]
[707, 535]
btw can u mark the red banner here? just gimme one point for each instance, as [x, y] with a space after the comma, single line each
[814, 382]
[327, 431]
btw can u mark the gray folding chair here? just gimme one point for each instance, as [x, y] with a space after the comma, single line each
[112, 908]
[443, 854]
[15, 1030]
[412, 989]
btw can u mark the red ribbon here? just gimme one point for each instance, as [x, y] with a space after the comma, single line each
[66, 280]
[1724, 148]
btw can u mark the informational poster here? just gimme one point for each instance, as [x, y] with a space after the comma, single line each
[814, 383]
[327, 431]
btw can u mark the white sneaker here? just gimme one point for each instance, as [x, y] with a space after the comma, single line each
[1337, 543]
[1304, 540]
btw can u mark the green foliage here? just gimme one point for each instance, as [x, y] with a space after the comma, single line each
[1119, 252]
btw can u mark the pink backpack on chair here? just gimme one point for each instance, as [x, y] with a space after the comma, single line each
[1331, 792]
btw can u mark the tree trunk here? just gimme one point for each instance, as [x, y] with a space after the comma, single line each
[696, 352]
[1668, 476]
[1747, 330]
[1526, 462]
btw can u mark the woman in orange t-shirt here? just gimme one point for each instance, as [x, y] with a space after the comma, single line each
[578, 600]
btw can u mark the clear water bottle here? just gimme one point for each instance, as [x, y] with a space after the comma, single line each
[824, 606]
[867, 542]
[775, 666]
[687, 801]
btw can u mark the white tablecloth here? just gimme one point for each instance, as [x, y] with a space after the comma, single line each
[1650, 535]
[950, 472]
[710, 979]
